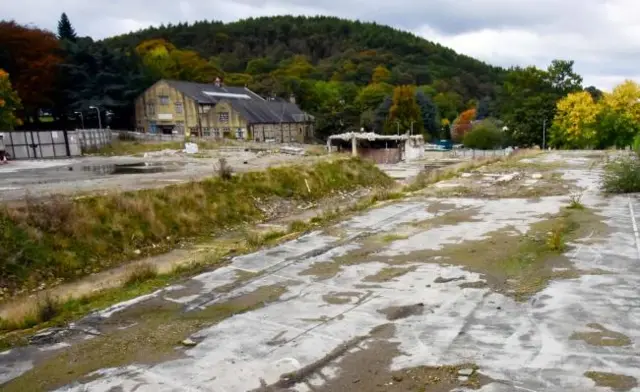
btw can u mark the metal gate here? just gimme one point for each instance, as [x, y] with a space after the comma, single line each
[38, 144]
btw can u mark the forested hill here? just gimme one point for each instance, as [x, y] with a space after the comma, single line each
[338, 49]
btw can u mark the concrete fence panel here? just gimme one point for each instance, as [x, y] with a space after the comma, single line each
[39, 144]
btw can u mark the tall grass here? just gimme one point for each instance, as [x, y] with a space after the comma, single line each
[62, 239]
[622, 175]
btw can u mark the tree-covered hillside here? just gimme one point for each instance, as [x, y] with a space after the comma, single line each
[252, 50]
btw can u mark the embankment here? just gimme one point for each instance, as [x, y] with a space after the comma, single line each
[62, 239]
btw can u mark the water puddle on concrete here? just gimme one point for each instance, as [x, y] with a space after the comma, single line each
[135, 168]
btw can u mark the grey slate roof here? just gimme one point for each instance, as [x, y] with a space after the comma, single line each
[196, 91]
[255, 110]
[269, 112]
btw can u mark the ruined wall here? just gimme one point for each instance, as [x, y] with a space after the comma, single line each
[380, 155]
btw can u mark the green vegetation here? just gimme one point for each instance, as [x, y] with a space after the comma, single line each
[484, 135]
[348, 74]
[622, 175]
[617, 382]
[62, 239]
[155, 333]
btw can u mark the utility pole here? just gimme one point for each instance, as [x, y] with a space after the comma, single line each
[398, 124]
[544, 132]
[411, 132]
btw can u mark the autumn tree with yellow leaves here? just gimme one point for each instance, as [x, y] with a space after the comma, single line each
[574, 125]
[9, 103]
[404, 113]
[614, 120]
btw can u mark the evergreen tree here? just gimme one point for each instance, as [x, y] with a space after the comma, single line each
[381, 113]
[429, 113]
[65, 30]
[484, 109]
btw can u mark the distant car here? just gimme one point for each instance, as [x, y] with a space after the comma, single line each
[445, 144]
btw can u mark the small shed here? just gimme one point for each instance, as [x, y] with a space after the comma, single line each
[379, 148]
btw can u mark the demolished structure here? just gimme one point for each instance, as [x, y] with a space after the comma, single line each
[379, 148]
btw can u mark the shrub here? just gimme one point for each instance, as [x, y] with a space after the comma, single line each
[224, 170]
[484, 135]
[622, 175]
[141, 274]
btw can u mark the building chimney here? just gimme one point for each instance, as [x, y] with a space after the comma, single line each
[292, 99]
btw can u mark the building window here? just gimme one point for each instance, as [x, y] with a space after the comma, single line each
[151, 109]
[239, 133]
[179, 108]
[164, 99]
[223, 117]
[152, 127]
[206, 132]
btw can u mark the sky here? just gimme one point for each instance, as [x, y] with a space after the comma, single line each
[601, 36]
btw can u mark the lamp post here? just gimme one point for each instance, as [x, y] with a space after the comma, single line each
[81, 118]
[99, 120]
[544, 132]
[398, 124]
[411, 132]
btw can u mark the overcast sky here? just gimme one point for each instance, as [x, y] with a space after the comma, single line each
[602, 36]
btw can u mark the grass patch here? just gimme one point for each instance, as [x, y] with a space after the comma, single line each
[124, 145]
[622, 175]
[575, 202]
[394, 237]
[157, 331]
[63, 239]
[428, 177]
[141, 273]
[617, 382]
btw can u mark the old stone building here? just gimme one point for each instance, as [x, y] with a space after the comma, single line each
[218, 111]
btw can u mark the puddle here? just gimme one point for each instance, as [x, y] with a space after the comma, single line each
[135, 168]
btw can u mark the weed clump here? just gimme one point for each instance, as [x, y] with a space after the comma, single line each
[224, 169]
[575, 202]
[622, 175]
[141, 274]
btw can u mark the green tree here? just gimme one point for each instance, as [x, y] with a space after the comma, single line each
[9, 103]
[258, 66]
[65, 29]
[381, 114]
[95, 75]
[563, 78]
[484, 135]
[483, 109]
[429, 114]
[528, 99]
[371, 96]
[405, 110]
[449, 104]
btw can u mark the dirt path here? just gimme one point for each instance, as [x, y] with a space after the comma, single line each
[433, 292]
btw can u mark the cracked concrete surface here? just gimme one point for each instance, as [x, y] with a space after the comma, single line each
[520, 346]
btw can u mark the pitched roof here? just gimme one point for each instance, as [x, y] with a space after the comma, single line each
[211, 94]
[264, 112]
